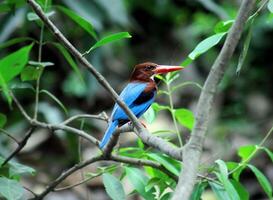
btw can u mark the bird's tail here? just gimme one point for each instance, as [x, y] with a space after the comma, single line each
[108, 133]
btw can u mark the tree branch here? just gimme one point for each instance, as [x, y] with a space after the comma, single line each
[53, 127]
[9, 135]
[115, 158]
[101, 116]
[192, 151]
[141, 162]
[142, 132]
[21, 145]
[64, 175]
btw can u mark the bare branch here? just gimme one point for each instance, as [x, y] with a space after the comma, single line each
[99, 117]
[141, 162]
[192, 151]
[30, 191]
[20, 145]
[22, 110]
[127, 160]
[77, 184]
[53, 127]
[141, 131]
[64, 175]
[9, 135]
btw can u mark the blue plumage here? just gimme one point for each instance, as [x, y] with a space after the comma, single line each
[136, 99]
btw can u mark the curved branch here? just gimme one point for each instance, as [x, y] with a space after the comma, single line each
[192, 151]
[21, 145]
[64, 175]
[101, 116]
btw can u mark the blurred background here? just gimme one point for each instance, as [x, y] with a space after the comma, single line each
[164, 32]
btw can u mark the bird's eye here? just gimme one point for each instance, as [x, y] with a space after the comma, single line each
[149, 68]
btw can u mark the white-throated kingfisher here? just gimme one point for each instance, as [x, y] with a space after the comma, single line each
[138, 95]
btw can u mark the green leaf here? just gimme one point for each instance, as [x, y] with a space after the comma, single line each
[223, 168]
[152, 172]
[206, 44]
[15, 41]
[198, 191]
[246, 151]
[139, 181]
[270, 6]
[170, 164]
[40, 64]
[11, 189]
[152, 183]
[5, 89]
[30, 73]
[4, 7]
[166, 196]
[223, 178]
[243, 193]
[219, 191]
[172, 76]
[108, 39]
[3, 120]
[55, 99]
[262, 180]
[239, 168]
[157, 107]
[269, 153]
[11, 5]
[223, 26]
[186, 62]
[149, 115]
[17, 169]
[13, 64]
[243, 54]
[140, 144]
[113, 187]
[185, 117]
[69, 59]
[86, 25]
[31, 16]
[21, 85]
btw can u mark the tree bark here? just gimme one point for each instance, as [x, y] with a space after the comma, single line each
[192, 151]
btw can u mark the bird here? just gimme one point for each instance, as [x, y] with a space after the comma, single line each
[138, 95]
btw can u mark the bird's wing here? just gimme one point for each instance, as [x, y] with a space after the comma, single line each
[129, 94]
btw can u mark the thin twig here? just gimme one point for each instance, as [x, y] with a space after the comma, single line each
[141, 131]
[53, 127]
[80, 116]
[173, 114]
[30, 191]
[192, 151]
[40, 50]
[127, 160]
[65, 174]
[258, 147]
[22, 110]
[76, 184]
[141, 162]
[20, 145]
[9, 135]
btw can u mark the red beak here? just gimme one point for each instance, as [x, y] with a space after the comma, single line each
[162, 69]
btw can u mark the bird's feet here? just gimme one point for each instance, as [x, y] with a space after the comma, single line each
[143, 124]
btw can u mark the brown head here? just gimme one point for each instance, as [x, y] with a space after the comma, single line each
[145, 71]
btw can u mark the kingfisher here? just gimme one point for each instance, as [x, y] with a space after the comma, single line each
[138, 95]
